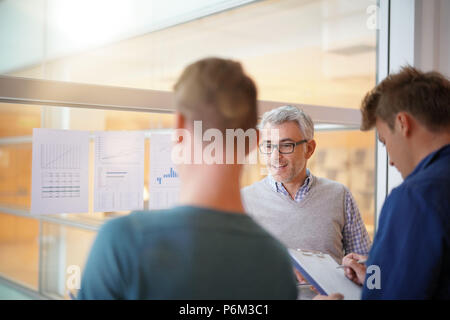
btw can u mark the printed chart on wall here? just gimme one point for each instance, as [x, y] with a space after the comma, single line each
[164, 180]
[60, 168]
[119, 171]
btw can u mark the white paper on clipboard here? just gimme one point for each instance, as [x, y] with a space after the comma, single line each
[321, 271]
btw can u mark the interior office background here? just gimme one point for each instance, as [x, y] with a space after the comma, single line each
[110, 65]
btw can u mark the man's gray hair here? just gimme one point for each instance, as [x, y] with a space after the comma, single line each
[289, 113]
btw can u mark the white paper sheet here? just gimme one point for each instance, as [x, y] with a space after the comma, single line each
[119, 171]
[323, 270]
[60, 169]
[164, 181]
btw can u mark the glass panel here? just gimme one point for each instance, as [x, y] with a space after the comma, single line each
[63, 246]
[314, 52]
[344, 156]
[15, 176]
[16, 152]
[19, 244]
[105, 120]
[16, 127]
[18, 120]
[22, 20]
[19, 249]
[349, 158]
[52, 28]
[64, 253]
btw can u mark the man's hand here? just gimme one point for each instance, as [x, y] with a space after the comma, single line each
[299, 276]
[353, 270]
[302, 280]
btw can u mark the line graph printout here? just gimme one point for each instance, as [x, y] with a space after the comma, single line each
[119, 170]
[164, 179]
[60, 168]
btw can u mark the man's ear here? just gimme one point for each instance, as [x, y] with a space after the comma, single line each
[403, 123]
[258, 137]
[310, 147]
[179, 127]
[180, 121]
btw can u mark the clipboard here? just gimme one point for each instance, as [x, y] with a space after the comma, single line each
[321, 271]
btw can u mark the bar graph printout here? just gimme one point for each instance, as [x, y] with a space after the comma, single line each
[119, 170]
[164, 179]
[60, 171]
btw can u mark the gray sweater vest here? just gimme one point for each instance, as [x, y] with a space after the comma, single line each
[316, 223]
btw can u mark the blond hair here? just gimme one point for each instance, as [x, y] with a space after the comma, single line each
[217, 92]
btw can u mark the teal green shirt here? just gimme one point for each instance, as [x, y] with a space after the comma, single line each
[186, 253]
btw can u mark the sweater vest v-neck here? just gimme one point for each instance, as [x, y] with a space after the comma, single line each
[314, 223]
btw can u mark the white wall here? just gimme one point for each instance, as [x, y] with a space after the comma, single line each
[432, 34]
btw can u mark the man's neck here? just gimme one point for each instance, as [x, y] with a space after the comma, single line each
[426, 143]
[212, 186]
[294, 185]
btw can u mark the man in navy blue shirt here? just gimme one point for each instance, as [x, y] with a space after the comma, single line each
[411, 250]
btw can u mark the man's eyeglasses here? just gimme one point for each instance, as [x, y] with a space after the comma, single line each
[283, 148]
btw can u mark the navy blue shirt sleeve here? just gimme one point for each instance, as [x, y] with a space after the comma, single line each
[107, 268]
[408, 247]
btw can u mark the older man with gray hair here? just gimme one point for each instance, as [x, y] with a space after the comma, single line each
[301, 210]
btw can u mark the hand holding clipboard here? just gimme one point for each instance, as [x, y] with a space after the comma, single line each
[321, 271]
